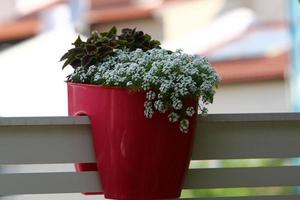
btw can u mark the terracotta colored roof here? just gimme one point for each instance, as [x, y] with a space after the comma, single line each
[25, 26]
[121, 13]
[121, 10]
[105, 3]
[268, 68]
[19, 29]
[44, 7]
[272, 67]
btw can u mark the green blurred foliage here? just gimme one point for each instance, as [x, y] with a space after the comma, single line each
[239, 191]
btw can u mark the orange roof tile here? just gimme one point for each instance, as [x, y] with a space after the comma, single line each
[268, 68]
[26, 26]
[120, 13]
[19, 29]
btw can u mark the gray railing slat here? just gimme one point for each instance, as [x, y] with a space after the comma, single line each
[44, 144]
[254, 117]
[279, 197]
[44, 183]
[242, 177]
[26, 121]
[237, 136]
[242, 139]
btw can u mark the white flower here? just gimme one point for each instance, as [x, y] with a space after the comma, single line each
[173, 117]
[190, 111]
[159, 106]
[184, 125]
[129, 83]
[177, 104]
[150, 95]
[148, 112]
[173, 76]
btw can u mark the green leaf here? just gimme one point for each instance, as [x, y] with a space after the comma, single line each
[95, 34]
[104, 34]
[91, 49]
[75, 63]
[99, 43]
[66, 63]
[78, 41]
[155, 43]
[112, 32]
[139, 34]
[65, 56]
[86, 61]
[76, 51]
[148, 37]
[122, 43]
[133, 31]
[126, 31]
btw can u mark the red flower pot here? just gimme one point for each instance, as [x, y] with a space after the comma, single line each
[137, 158]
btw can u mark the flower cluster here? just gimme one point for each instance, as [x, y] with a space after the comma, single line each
[169, 79]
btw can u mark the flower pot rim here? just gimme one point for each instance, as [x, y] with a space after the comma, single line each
[114, 88]
[101, 86]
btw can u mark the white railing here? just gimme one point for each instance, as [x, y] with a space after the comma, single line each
[47, 140]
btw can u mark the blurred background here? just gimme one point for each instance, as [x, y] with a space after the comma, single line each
[247, 41]
[251, 43]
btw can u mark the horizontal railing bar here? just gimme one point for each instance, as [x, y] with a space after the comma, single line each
[217, 140]
[44, 183]
[60, 120]
[277, 197]
[242, 177]
[33, 121]
[46, 144]
[250, 117]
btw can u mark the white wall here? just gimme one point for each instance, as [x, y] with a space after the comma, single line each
[271, 9]
[268, 96]
[7, 10]
[267, 10]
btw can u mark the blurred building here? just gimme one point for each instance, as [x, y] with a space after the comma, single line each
[255, 65]
[254, 69]
[246, 42]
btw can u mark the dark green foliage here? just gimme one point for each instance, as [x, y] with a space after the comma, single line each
[100, 45]
[91, 52]
[132, 39]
